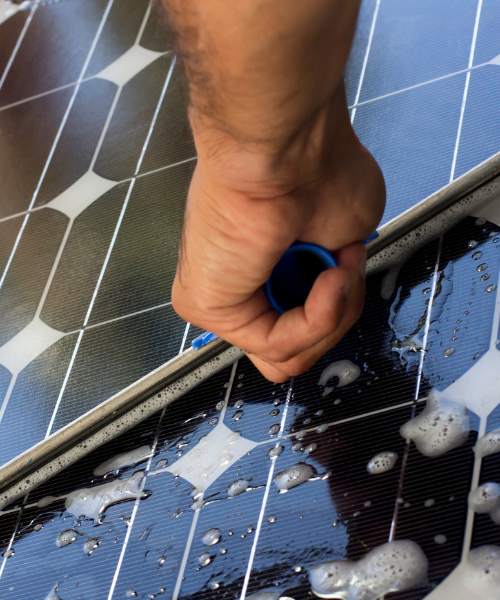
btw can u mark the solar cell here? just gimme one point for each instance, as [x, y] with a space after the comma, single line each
[85, 295]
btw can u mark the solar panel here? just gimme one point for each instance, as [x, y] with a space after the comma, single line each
[78, 326]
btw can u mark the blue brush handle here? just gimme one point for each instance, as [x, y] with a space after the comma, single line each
[291, 280]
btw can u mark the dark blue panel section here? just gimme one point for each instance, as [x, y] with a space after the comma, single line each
[418, 40]
[39, 385]
[29, 270]
[113, 356]
[412, 135]
[480, 137]
[488, 40]
[463, 313]
[358, 49]
[5, 377]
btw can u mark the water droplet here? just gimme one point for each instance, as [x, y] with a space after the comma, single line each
[300, 435]
[338, 401]
[223, 550]
[458, 321]
[130, 593]
[485, 277]
[319, 412]
[67, 537]
[91, 544]
[213, 422]
[162, 463]
[220, 405]
[335, 523]
[449, 351]
[322, 428]
[277, 402]
[275, 451]
[237, 415]
[307, 421]
[440, 539]
[38, 527]
[271, 518]
[211, 537]
[426, 291]
[239, 385]
[297, 568]
[250, 529]
[204, 559]
[429, 503]
[161, 561]
[477, 255]
[214, 585]
[274, 412]
[273, 430]
[368, 504]
[491, 288]
[480, 222]
[238, 404]
[310, 449]
[477, 355]
[454, 338]
[472, 244]
[8, 553]
[455, 329]
[230, 532]
[495, 241]
[297, 447]
[466, 312]
[482, 267]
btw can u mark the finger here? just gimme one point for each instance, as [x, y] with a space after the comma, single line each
[278, 339]
[279, 372]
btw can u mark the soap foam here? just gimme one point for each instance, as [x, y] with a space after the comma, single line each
[440, 427]
[486, 499]
[264, 596]
[52, 595]
[125, 459]
[290, 478]
[488, 444]
[392, 567]
[345, 370]
[92, 502]
[382, 462]
[482, 572]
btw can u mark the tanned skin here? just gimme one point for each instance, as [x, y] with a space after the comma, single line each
[278, 161]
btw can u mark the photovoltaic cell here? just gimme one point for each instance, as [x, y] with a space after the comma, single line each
[103, 296]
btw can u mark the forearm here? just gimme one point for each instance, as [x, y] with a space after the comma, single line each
[262, 74]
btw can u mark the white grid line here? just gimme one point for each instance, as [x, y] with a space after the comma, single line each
[136, 508]
[365, 60]
[186, 329]
[266, 496]
[18, 43]
[423, 350]
[187, 548]
[466, 90]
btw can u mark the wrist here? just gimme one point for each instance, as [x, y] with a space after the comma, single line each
[279, 164]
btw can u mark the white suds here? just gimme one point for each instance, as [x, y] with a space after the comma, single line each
[486, 499]
[45, 501]
[125, 459]
[392, 567]
[345, 370]
[488, 444]
[289, 478]
[92, 502]
[264, 596]
[52, 595]
[482, 572]
[382, 462]
[440, 427]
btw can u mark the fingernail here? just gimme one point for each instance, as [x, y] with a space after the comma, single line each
[362, 267]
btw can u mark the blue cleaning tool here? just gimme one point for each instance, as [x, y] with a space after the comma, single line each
[291, 280]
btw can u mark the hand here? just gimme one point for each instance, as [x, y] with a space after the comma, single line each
[247, 205]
